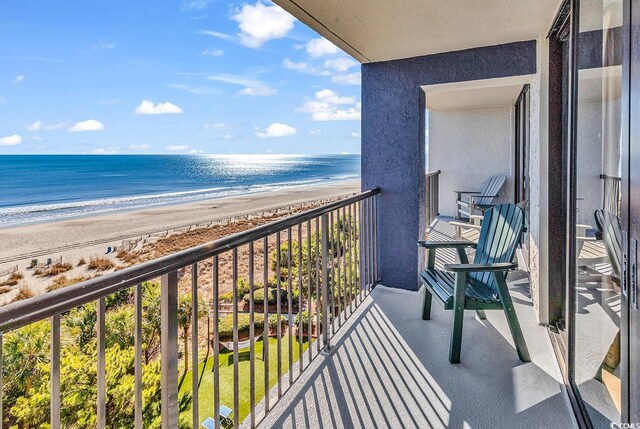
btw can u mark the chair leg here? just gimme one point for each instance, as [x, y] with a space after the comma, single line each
[481, 314]
[458, 318]
[512, 319]
[426, 305]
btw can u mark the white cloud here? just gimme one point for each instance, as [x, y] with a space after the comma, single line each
[178, 148]
[216, 34]
[88, 125]
[147, 107]
[104, 46]
[251, 86]
[36, 126]
[195, 151]
[229, 137]
[277, 130]
[215, 126]
[262, 91]
[347, 79]
[355, 134]
[213, 52]
[199, 90]
[304, 68]
[260, 23]
[314, 133]
[57, 126]
[330, 106]
[105, 151]
[140, 146]
[195, 4]
[18, 79]
[12, 140]
[320, 47]
[341, 64]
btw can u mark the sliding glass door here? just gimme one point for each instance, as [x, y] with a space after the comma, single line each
[595, 227]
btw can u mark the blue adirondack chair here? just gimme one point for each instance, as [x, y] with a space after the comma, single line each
[470, 202]
[481, 285]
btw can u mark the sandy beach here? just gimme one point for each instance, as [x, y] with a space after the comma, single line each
[88, 237]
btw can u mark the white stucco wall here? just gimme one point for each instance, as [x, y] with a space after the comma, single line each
[469, 147]
[539, 185]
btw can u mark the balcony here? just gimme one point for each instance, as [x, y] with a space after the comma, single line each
[389, 368]
[376, 364]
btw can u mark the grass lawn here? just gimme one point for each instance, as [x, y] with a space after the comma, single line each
[205, 396]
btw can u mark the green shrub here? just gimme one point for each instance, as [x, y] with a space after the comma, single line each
[226, 297]
[272, 294]
[225, 326]
[273, 321]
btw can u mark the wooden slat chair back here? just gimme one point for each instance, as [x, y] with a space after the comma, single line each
[609, 226]
[499, 237]
[491, 189]
[479, 200]
[481, 285]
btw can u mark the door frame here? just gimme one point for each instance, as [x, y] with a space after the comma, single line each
[562, 214]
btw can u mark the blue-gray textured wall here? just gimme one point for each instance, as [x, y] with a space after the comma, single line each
[393, 141]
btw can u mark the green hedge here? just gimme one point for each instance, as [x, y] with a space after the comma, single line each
[225, 326]
[258, 296]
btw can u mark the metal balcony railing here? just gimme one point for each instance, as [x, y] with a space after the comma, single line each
[325, 261]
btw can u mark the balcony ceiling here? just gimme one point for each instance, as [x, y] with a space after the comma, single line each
[476, 94]
[381, 30]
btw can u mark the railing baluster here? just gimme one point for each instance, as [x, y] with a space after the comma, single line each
[347, 292]
[335, 279]
[265, 338]
[236, 374]
[194, 344]
[318, 304]
[309, 302]
[349, 253]
[252, 369]
[138, 355]
[325, 284]
[279, 315]
[299, 323]
[370, 258]
[101, 380]
[332, 280]
[374, 238]
[216, 338]
[55, 372]
[357, 247]
[290, 305]
[1, 380]
[169, 349]
[338, 274]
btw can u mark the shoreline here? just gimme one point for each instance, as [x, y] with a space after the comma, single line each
[256, 190]
[88, 237]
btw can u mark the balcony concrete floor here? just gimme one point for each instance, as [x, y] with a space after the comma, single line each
[390, 369]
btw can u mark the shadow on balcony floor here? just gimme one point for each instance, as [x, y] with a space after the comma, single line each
[389, 369]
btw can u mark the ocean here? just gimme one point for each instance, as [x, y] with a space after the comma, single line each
[44, 188]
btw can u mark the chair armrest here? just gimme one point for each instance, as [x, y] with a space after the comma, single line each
[466, 225]
[485, 196]
[446, 244]
[466, 268]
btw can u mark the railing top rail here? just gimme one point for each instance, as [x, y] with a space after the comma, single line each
[433, 173]
[31, 310]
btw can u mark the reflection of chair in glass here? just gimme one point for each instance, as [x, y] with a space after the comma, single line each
[611, 194]
[611, 231]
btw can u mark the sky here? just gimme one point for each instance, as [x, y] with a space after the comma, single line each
[171, 76]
